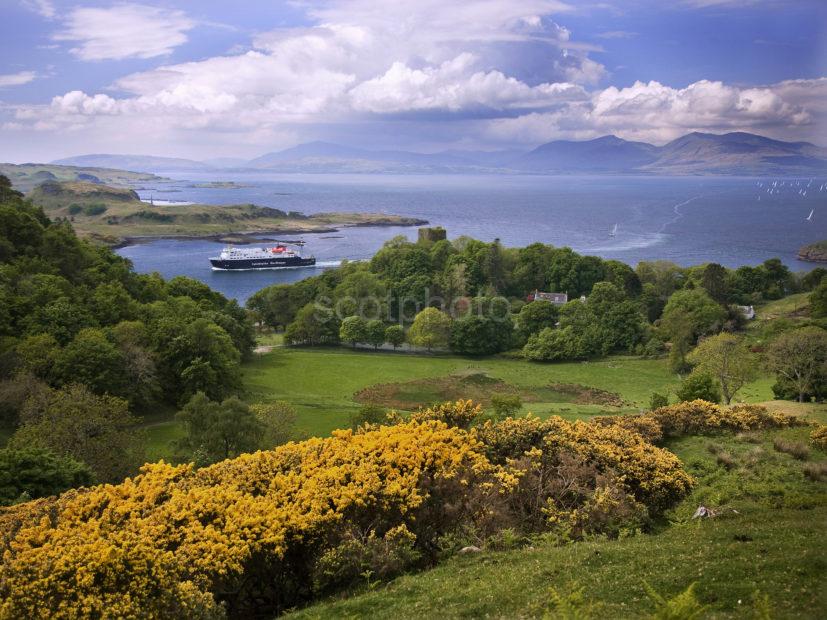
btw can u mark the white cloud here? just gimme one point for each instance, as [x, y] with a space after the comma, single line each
[449, 87]
[416, 72]
[124, 31]
[658, 113]
[17, 79]
[44, 8]
[617, 34]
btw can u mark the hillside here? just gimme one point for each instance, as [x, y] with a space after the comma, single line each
[25, 177]
[139, 163]
[606, 154]
[115, 215]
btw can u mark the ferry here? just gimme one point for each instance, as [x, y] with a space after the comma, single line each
[276, 257]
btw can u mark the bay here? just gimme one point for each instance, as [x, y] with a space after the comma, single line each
[688, 220]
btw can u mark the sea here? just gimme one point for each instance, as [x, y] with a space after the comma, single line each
[733, 221]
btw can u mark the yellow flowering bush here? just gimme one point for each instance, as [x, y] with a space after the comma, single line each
[461, 413]
[700, 416]
[243, 535]
[819, 437]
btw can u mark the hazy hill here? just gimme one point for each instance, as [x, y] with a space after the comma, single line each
[738, 153]
[694, 153]
[606, 154]
[138, 163]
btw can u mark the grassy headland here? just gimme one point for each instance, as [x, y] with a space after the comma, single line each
[25, 177]
[814, 252]
[116, 215]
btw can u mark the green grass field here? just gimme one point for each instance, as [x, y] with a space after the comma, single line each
[774, 546]
[321, 383]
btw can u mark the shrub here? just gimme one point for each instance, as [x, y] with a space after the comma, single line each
[699, 417]
[94, 209]
[643, 425]
[367, 416]
[795, 449]
[506, 405]
[699, 386]
[656, 401]
[819, 437]
[817, 472]
[248, 533]
[460, 414]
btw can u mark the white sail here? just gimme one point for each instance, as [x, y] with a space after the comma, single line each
[810, 217]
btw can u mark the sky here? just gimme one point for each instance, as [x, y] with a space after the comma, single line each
[206, 79]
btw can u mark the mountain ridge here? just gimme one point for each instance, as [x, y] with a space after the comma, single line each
[696, 153]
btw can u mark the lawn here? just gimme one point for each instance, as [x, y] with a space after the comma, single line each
[321, 382]
[773, 545]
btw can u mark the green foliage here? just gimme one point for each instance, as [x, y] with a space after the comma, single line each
[313, 325]
[684, 606]
[726, 358]
[354, 329]
[481, 335]
[506, 405]
[818, 300]
[35, 472]
[799, 360]
[535, 316]
[73, 422]
[375, 333]
[431, 328]
[278, 422]
[699, 386]
[367, 415]
[395, 335]
[657, 401]
[219, 430]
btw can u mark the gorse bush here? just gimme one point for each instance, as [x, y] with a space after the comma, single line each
[264, 532]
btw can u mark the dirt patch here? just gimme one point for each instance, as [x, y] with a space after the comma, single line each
[411, 395]
[479, 387]
[585, 395]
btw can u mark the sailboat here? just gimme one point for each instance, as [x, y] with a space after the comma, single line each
[614, 231]
[810, 217]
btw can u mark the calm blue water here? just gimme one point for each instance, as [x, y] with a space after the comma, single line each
[688, 220]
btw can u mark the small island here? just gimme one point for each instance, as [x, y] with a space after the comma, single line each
[814, 252]
[117, 216]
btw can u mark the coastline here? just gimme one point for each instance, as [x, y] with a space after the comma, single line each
[251, 237]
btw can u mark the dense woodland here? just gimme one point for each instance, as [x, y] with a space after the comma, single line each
[474, 298]
[87, 346]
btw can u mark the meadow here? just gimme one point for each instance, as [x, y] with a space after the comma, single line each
[322, 384]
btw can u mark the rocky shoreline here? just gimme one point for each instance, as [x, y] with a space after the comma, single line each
[814, 252]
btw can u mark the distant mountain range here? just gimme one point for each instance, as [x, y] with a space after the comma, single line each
[695, 153]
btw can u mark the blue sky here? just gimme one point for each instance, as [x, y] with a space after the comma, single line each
[209, 78]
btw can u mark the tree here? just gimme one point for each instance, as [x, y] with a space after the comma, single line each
[93, 360]
[818, 300]
[354, 329]
[535, 316]
[688, 315]
[726, 358]
[96, 430]
[215, 431]
[395, 335]
[699, 386]
[35, 472]
[313, 325]
[431, 328]
[506, 405]
[375, 333]
[481, 335]
[278, 421]
[714, 281]
[799, 358]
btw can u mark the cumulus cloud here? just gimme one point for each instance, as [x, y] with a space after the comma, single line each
[124, 31]
[414, 69]
[17, 79]
[44, 8]
[655, 112]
